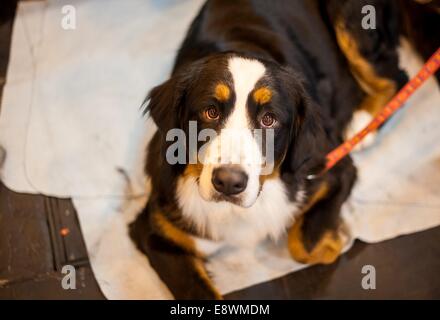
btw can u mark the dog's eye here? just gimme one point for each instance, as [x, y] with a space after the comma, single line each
[211, 113]
[268, 120]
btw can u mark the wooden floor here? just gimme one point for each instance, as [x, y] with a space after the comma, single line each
[33, 250]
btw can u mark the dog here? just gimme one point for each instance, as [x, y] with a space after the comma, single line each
[304, 71]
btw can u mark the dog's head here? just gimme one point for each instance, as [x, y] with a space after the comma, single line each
[242, 120]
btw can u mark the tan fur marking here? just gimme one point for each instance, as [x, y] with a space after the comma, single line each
[201, 270]
[174, 234]
[262, 95]
[274, 175]
[379, 90]
[183, 240]
[193, 170]
[222, 92]
[326, 251]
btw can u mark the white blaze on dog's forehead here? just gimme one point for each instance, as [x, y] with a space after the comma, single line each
[236, 143]
[245, 75]
[240, 144]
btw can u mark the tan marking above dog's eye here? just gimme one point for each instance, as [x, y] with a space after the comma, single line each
[262, 95]
[222, 92]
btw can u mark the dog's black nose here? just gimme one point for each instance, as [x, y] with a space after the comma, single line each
[229, 180]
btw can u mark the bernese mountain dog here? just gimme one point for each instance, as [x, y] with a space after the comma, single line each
[302, 75]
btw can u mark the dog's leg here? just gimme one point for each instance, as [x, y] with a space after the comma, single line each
[172, 254]
[379, 89]
[315, 237]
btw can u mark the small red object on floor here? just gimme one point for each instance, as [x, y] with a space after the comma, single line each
[64, 231]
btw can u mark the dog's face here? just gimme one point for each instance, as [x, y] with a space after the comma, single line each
[248, 114]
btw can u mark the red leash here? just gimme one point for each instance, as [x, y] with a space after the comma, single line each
[430, 67]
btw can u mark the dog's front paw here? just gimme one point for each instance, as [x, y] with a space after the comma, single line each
[325, 251]
[360, 120]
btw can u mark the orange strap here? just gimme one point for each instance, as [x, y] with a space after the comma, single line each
[430, 67]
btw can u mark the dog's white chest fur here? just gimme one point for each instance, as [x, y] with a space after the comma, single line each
[230, 224]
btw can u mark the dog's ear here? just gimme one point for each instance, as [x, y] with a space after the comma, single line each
[308, 140]
[164, 103]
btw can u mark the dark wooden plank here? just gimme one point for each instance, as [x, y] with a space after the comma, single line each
[33, 250]
[48, 286]
[73, 241]
[25, 245]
